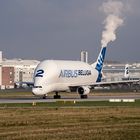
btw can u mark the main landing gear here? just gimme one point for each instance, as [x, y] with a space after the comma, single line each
[84, 96]
[57, 96]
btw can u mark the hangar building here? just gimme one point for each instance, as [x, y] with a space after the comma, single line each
[16, 70]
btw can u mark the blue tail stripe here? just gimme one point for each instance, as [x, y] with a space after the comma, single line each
[99, 77]
[99, 64]
[100, 60]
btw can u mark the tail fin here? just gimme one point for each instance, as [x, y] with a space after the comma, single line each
[98, 65]
[126, 73]
[100, 60]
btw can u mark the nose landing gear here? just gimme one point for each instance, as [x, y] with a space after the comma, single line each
[57, 96]
[44, 97]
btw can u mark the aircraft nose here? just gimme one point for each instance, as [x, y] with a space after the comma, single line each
[37, 91]
[34, 91]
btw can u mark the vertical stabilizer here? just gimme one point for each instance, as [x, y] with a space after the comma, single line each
[126, 73]
[98, 65]
[100, 60]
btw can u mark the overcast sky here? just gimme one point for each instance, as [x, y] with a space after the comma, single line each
[60, 29]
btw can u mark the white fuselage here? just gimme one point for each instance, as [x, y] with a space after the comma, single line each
[59, 75]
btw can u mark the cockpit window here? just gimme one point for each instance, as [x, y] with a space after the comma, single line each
[37, 86]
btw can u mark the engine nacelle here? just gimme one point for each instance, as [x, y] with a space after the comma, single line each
[83, 90]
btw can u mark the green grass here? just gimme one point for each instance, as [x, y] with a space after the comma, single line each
[88, 120]
[100, 123]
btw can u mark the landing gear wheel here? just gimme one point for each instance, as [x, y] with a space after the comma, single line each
[44, 97]
[84, 96]
[57, 96]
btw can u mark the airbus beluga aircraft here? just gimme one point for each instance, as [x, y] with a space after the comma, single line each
[59, 75]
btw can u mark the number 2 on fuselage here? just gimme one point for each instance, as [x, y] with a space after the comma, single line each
[39, 73]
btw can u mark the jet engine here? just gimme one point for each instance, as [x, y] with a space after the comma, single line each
[83, 91]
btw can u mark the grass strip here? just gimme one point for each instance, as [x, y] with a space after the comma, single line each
[111, 123]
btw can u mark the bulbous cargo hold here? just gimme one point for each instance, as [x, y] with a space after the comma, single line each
[60, 75]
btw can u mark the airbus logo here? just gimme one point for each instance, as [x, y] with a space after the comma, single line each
[74, 73]
[100, 60]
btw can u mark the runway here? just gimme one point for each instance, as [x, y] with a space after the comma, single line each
[50, 99]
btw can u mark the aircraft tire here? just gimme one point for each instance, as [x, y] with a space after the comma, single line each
[84, 96]
[57, 97]
[44, 97]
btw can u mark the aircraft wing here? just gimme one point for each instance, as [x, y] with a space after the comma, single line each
[106, 84]
[113, 83]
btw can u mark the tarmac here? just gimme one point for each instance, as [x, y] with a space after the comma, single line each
[31, 99]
